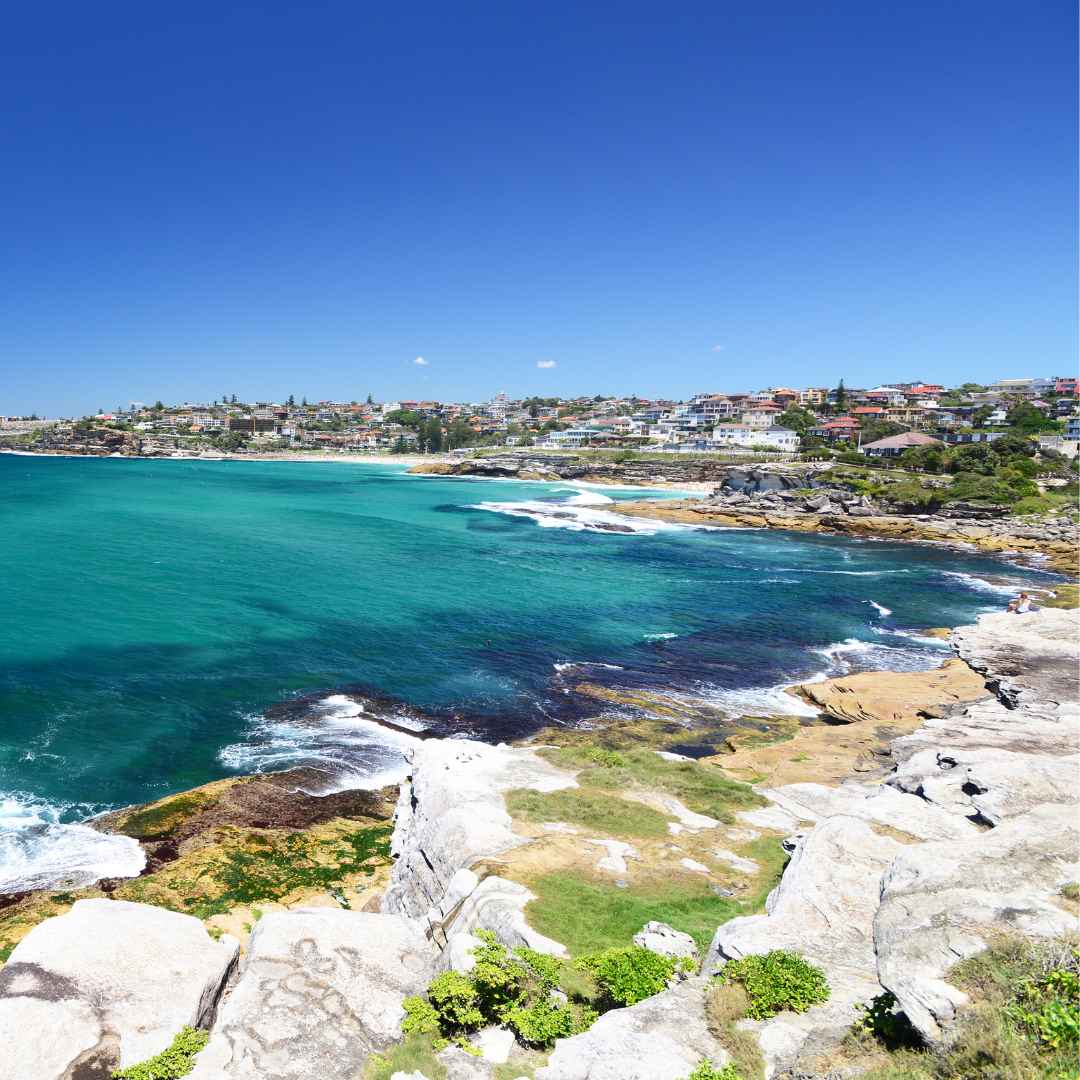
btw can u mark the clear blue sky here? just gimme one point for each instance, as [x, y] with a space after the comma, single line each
[287, 198]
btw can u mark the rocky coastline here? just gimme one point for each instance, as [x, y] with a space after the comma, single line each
[959, 826]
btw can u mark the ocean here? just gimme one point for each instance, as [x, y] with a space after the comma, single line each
[167, 623]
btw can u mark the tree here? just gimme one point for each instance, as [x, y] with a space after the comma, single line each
[158, 407]
[872, 430]
[234, 399]
[370, 400]
[1025, 419]
[841, 397]
[431, 436]
[291, 402]
[797, 419]
[304, 403]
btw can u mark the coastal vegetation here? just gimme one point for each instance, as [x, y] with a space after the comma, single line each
[777, 981]
[524, 990]
[1023, 1021]
[176, 1061]
[592, 809]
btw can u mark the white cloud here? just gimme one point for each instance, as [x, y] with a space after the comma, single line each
[420, 362]
[545, 363]
[718, 348]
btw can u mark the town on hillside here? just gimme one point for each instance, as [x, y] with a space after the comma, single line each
[882, 421]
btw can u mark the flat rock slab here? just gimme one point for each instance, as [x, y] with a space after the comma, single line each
[320, 991]
[661, 1038]
[104, 986]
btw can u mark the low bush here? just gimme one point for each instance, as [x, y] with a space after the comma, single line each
[516, 990]
[628, 975]
[178, 1060]
[777, 981]
[706, 1070]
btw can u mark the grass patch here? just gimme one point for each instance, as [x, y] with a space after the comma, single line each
[1071, 891]
[703, 788]
[588, 914]
[590, 809]
[725, 1006]
[415, 1053]
[1065, 596]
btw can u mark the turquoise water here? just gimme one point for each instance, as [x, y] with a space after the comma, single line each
[155, 611]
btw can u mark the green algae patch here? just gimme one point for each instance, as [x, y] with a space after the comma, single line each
[702, 788]
[158, 820]
[594, 810]
[414, 1054]
[239, 867]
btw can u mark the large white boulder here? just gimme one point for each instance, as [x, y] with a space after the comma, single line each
[661, 1038]
[320, 991]
[823, 909]
[945, 901]
[104, 986]
[451, 813]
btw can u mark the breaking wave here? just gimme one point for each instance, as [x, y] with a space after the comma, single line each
[39, 851]
[350, 742]
[584, 518]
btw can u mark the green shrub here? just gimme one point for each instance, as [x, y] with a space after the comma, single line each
[178, 1060]
[629, 974]
[541, 1023]
[778, 981]
[421, 1017]
[1047, 1010]
[516, 990]
[706, 1070]
[456, 1002]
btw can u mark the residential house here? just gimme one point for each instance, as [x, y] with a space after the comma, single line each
[744, 434]
[838, 430]
[761, 414]
[895, 445]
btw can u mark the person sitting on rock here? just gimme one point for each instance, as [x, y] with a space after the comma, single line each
[1021, 605]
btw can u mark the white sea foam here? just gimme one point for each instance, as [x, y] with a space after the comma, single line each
[38, 851]
[570, 665]
[845, 656]
[881, 609]
[845, 573]
[660, 636]
[338, 738]
[971, 581]
[578, 518]
[585, 497]
[760, 700]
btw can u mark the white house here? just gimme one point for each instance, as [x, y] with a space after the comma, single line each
[776, 438]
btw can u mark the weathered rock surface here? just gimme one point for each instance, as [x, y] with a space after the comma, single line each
[872, 803]
[824, 910]
[661, 1038]
[321, 990]
[942, 902]
[886, 697]
[105, 986]
[666, 940]
[450, 815]
[986, 800]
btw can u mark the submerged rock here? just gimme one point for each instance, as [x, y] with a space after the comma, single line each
[105, 986]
